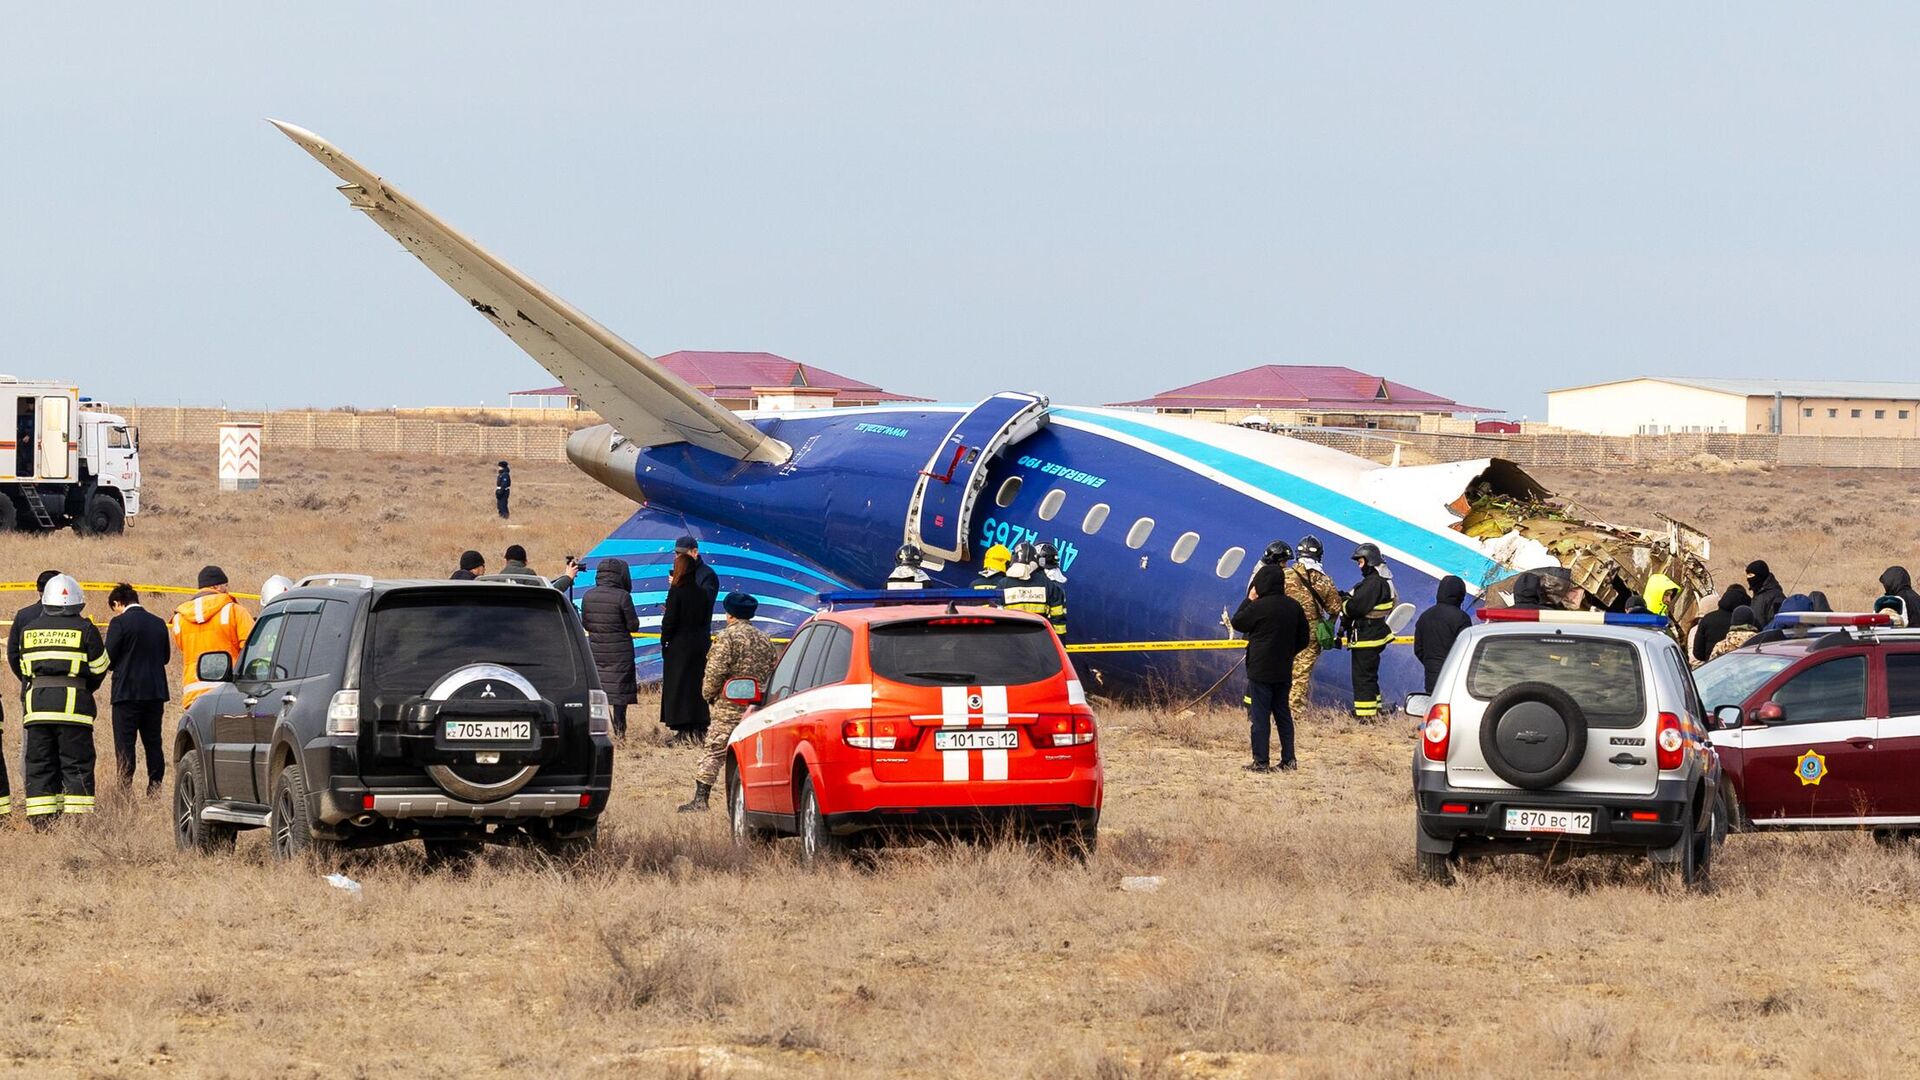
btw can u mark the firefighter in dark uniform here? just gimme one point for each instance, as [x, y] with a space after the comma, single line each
[1050, 566]
[1367, 634]
[906, 573]
[63, 660]
[1030, 589]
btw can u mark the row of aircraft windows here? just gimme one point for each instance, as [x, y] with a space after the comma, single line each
[1096, 519]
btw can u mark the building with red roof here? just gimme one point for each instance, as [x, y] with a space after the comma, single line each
[1306, 395]
[746, 380]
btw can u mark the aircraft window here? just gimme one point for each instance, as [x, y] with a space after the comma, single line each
[1137, 536]
[1096, 517]
[1050, 506]
[1229, 561]
[1009, 491]
[1183, 547]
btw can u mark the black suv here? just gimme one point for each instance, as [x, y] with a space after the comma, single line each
[368, 712]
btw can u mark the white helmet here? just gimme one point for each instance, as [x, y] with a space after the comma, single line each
[62, 596]
[275, 585]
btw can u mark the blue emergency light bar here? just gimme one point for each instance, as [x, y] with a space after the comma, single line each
[1584, 618]
[1837, 618]
[884, 597]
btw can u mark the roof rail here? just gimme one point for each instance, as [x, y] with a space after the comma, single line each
[354, 581]
[847, 598]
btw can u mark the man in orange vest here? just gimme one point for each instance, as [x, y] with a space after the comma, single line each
[213, 621]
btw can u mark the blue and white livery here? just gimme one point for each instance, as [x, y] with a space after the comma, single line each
[1158, 520]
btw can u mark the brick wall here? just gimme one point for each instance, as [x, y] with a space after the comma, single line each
[375, 432]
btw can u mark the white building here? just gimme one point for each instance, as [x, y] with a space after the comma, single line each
[1663, 405]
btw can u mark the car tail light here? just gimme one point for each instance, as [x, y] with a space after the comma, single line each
[1067, 730]
[1643, 815]
[1435, 732]
[343, 713]
[1455, 808]
[599, 713]
[1670, 743]
[962, 621]
[878, 734]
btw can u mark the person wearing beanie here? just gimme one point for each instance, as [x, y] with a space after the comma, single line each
[704, 578]
[1713, 626]
[213, 621]
[1276, 628]
[1765, 590]
[1743, 625]
[472, 565]
[502, 489]
[739, 652]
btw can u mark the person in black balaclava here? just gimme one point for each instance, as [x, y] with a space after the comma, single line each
[1895, 582]
[1766, 590]
[1713, 625]
[1820, 601]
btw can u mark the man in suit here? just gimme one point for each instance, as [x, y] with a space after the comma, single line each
[138, 647]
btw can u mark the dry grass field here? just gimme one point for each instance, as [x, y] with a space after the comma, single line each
[1288, 936]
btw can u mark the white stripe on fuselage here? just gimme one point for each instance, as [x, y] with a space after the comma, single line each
[1259, 494]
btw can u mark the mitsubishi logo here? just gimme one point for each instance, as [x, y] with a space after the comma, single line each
[487, 691]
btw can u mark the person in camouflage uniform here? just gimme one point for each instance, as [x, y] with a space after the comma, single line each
[1315, 592]
[739, 652]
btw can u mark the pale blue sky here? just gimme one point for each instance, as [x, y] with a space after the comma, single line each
[1095, 201]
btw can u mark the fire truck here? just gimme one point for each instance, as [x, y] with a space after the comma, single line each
[65, 464]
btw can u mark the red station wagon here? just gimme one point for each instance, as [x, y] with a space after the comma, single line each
[909, 719]
[1820, 731]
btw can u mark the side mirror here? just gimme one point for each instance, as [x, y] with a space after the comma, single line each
[1727, 717]
[742, 691]
[1770, 713]
[1417, 706]
[214, 667]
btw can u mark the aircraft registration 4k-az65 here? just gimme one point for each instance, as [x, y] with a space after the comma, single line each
[1154, 517]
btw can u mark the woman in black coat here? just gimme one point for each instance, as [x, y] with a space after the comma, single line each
[607, 613]
[686, 633]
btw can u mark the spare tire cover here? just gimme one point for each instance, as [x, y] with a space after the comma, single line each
[478, 681]
[1533, 735]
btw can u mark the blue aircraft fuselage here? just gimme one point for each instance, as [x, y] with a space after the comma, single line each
[1159, 525]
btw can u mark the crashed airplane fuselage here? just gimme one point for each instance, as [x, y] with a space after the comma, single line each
[1159, 521]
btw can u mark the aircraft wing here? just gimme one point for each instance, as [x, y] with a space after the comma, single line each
[642, 399]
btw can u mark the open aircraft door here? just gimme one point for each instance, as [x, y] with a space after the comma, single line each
[943, 499]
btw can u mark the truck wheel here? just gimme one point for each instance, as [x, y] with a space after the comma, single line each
[293, 820]
[818, 847]
[9, 514]
[104, 516]
[189, 798]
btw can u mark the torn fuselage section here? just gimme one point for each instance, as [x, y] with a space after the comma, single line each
[1586, 563]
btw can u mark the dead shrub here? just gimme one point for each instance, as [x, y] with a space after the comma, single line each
[680, 974]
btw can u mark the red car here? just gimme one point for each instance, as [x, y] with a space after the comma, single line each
[912, 719]
[1820, 731]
